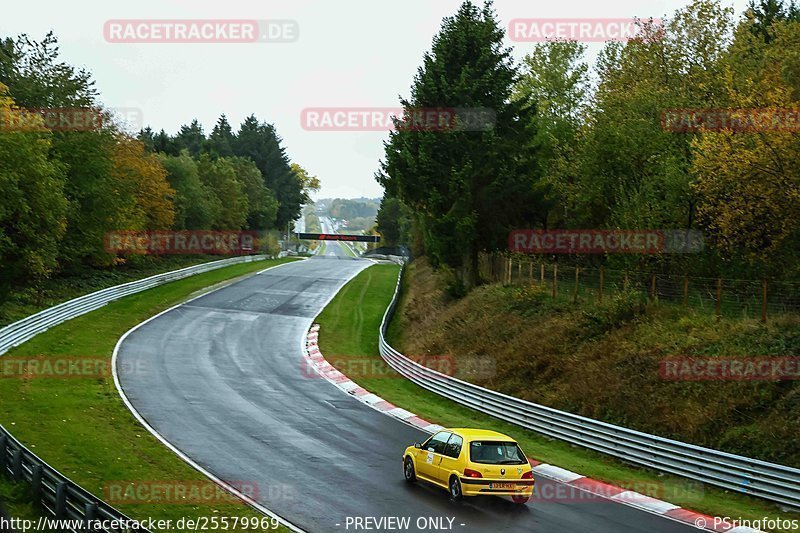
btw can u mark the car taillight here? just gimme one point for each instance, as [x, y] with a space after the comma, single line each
[472, 473]
[528, 475]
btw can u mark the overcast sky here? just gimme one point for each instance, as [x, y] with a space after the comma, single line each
[350, 53]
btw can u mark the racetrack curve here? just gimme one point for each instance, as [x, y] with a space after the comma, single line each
[222, 378]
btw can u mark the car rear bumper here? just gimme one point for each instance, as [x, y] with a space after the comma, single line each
[481, 486]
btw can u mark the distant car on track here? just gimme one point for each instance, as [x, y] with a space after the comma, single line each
[471, 462]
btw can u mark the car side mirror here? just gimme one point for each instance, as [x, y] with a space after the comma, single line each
[417, 445]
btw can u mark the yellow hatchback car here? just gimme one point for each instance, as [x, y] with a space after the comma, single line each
[471, 462]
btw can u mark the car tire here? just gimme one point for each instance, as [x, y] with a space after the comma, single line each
[408, 470]
[456, 493]
[521, 499]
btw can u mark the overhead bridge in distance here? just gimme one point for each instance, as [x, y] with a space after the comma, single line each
[337, 237]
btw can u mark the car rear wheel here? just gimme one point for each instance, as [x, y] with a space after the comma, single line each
[455, 489]
[520, 499]
[408, 470]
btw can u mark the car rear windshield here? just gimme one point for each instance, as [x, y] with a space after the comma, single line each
[496, 453]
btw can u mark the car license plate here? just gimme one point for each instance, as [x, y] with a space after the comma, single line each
[509, 486]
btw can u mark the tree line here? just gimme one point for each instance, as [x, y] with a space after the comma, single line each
[63, 189]
[582, 147]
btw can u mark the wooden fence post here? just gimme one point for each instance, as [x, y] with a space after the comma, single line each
[542, 276]
[719, 298]
[764, 301]
[577, 280]
[685, 290]
[653, 287]
[602, 281]
[530, 272]
[555, 280]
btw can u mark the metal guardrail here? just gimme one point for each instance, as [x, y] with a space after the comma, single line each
[774, 482]
[58, 496]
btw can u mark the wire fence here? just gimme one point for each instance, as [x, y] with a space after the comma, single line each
[721, 296]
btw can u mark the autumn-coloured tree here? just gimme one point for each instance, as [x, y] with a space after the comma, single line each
[32, 203]
[142, 175]
[749, 181]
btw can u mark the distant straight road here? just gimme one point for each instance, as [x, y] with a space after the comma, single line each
[223, 380]
[332, 248]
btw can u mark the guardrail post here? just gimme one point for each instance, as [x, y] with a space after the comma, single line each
[36, 482]
[89, 515]
[3, 446]
[16, 465]
[60, 508]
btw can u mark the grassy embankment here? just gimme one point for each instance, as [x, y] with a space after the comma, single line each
[25, 301]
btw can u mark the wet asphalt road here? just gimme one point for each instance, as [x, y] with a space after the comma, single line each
[222, 379]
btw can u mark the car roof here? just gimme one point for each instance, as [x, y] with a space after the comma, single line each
[478, 434]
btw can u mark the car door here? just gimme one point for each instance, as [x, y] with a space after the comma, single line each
[450, 459]
[429, 456]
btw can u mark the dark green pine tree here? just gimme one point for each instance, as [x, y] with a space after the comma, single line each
[222, 139]
[767, 12]
[165, 144]
[467, 188]
[191, 138]
[261, 143]
[147, 138]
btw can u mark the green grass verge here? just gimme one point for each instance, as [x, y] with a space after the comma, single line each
[25, 301]
[82, 427]
[348, 249]
[349, 327]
